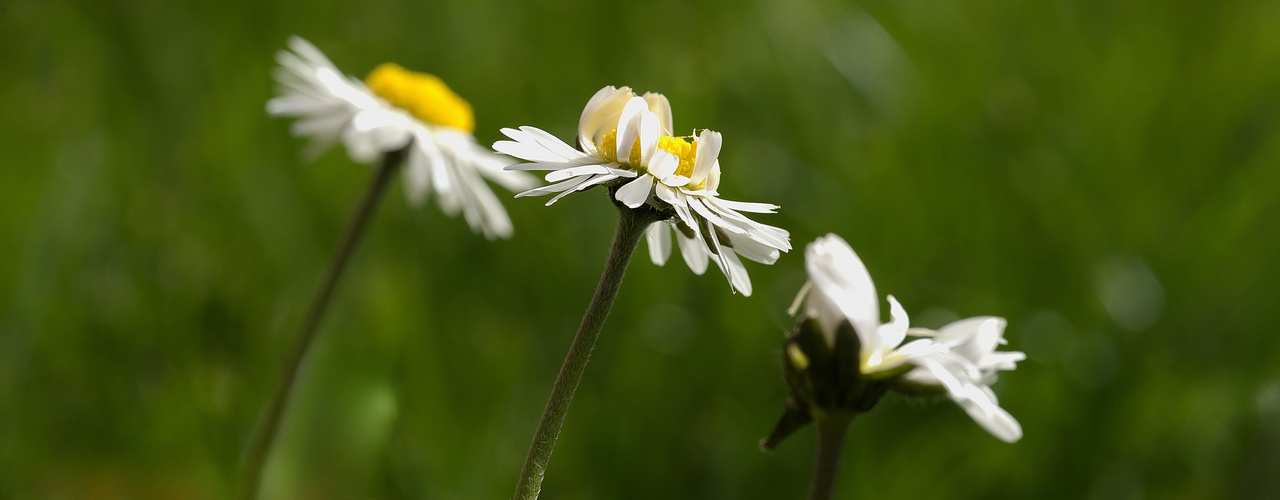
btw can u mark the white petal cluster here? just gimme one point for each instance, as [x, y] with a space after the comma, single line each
[616, 122]
[959, 357]
[448, 161]
[968, 368]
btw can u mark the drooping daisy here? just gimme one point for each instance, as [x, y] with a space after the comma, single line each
[959, 357]
[659, 169]
[391, 109]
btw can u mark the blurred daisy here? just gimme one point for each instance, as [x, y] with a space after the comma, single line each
[839, 290]
[391, 109]
[967, 370]
[658, 169]
[960, 357]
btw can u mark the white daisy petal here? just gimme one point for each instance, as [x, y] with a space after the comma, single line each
[675, 181]
[942, 375]
[417, 176]
[529, 152]
[704, 193]
[361, 148]
[773, 236]
[385, 130]
[980, 403]
[713, 178]
[920, 347]
[661, 108]
[321, 123]
[705, 158]
[296, 105]
[650, 130]
[483, 211]
[975, 337]
[666, 194]
[758, 208]
[629, 127]
[636, 192]
[659, 236]
[694, 251]
[1004, 360]
[748, 247]
[699, 205]
[586, 182]
[493, 168]
[536, 145]
[839, 275]
[306, 50]
[738, 275]
[596, 181]
[566, 173]
[552, 143]
[554, 188]
[664, 164]
[893, 332]
[537, 166]
[442, 179]
[730, 265]
[681, 205]
[768, 235]
[600, 115]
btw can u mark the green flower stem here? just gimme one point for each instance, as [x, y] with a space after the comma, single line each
[631, 226]
[832, 428]
[265, 437]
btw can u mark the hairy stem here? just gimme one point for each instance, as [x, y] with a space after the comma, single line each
[631, 226]
[265, 436]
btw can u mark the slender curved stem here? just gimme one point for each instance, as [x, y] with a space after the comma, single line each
[269, 427]
[832, 428]
[631, 226]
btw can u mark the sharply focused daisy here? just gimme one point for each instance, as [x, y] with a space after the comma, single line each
[654, 168]
[661, 184]
[391, 109]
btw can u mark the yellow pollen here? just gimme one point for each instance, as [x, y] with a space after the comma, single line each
[422, 95]
[797, 357]
[685, 150]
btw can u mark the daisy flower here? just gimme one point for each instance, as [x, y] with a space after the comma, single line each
[960, 357]
[391, 109]
[664, 171]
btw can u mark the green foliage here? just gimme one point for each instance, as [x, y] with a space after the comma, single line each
[1106, 175]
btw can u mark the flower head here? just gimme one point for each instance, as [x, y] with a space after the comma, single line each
[390, 110]
[959, 358]
[626, 141]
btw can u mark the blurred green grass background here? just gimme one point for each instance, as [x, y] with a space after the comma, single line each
[1106, 175]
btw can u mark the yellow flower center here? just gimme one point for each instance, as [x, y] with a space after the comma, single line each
[424, 96]
[685, 150]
